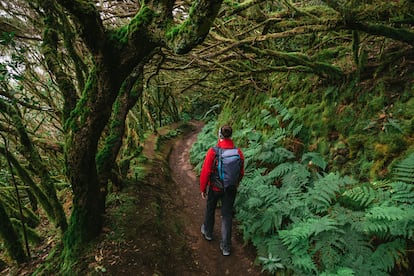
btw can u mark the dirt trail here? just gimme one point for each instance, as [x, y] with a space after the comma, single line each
[206, 255]
[139, 237]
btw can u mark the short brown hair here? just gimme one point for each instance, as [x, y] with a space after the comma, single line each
[226, 131]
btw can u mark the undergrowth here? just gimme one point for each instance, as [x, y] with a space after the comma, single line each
[306, 220]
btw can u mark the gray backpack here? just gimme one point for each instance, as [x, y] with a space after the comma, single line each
[227, 167]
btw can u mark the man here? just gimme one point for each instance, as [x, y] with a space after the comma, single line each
[213, 193]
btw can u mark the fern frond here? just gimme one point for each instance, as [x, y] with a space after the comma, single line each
[404, 170]
[363, 196]
[305, 263]
[274, 246]
[272, 219]
[296, 130]
[356, 252]
[279, 171]
[388, 254]
[386, 213]
[254, 203]
[402, 192]
[329, 248]
[296, 239]
[314, 158]
[297, 176]
[269, 119]
[324, 192]
[394, 221]
[274, 156]
[250, 155]
[279, 107]
[341, 271]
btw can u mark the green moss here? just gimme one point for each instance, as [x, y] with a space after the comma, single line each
[123, 34]
[111, 141]
[356, 144]
[119, 35]
[178, 30]
[381, 150]
[78, 115]
[377, 169]
[121, 204]
[346, 118]
[376, 103]
[142, 18]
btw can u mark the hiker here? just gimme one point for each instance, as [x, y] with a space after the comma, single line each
[213, 188]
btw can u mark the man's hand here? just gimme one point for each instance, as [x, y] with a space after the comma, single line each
[203, 195]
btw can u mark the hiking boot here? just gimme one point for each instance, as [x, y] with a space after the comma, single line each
[205, 235]
[225, 250]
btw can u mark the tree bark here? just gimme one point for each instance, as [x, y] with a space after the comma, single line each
[36, 164]
[10, 238]
[399, 34]
[117, 56]
[130, 92]
[25, 177]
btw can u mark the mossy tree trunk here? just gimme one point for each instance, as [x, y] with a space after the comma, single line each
[11, 240]
[113, 87]
[130, 92]
[24, 175]
[47, 193]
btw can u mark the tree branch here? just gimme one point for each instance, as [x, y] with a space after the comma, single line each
[194, 29]
[403, 35]
[91, 28]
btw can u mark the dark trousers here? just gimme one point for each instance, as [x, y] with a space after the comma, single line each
[227, 200]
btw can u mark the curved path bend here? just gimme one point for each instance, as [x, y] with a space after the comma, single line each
[206, 255]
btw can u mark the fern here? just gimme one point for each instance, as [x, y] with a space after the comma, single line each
[329, 248]
[388, 254]
[363, 196]
[297, 176]
[356, 251]
[296, 130]
[402, 192]
[390, 221]
[314, 158]
[296, 238]
[386, 213]
[275, 104]
[304, 263]
[305, 222]
[404, 170]
[269, 119]
[272, 218]
[324, 192]
[280, 171]
[254, 203]
[275, 156]
[341, 271]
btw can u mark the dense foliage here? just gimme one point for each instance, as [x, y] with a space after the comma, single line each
[90, 63]
[306, 220]
[320, 93]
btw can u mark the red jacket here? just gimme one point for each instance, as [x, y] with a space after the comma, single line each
[208, 164]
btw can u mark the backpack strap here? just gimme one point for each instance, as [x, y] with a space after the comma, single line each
[217, 151]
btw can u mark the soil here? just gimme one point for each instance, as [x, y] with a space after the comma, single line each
[206, 254]
[152, 226]
[166, 238]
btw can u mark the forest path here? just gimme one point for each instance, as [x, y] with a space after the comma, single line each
[206, 254]
[152, 226]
